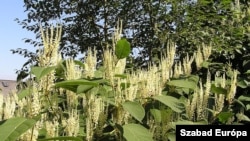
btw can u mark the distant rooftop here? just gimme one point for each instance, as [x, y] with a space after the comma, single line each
[6, 86]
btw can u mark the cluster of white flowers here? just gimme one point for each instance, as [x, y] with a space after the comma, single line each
[72, 124]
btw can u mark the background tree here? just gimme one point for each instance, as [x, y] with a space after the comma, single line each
[147, 24]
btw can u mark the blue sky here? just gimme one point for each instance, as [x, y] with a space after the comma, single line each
[11, 37]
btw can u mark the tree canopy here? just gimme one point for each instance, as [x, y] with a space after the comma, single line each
[149, 26]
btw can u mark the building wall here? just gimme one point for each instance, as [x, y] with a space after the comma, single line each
[7, 86]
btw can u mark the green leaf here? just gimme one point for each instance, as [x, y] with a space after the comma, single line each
[40, 72]
[188, 122]
[76, 82]
[62, 139]
[13, 128]
[242, 83]
[135, 109]
[247, 72]
[24, 92]
[224, 116]
[156, 114]
[136, 132]
[242, 117]
[244, 98]
[193, 78]
[72, 85]
[248, 107]
[122, 49]
[83, 88]
[171, 102]
[218, 90]
[183, 84]
[240, 102]
[205, 64]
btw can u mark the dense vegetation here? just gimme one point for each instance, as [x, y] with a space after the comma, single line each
[146, 66]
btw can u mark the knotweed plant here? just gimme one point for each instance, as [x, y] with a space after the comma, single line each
[220, 81]
[202, 54]
[8, 106]
[79, 99]
[72, 72]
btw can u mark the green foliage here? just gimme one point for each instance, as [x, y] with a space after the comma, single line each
[183, 84]
[174, 103]
[122, 49]
[79, 86]
[24, 93]
[40, 72]
[135, 109]
[218, 90]
[224, 117]
[148, 26]
[136, 132]
[62, 139]
[13, 128]
[156, 114]
[242, 117]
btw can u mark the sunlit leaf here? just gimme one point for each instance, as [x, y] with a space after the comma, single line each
[13, 128]
[135, 109]
[136, 132]
[242, 117]
[244, 98]
[24, 92]
[40, 72]
[224, 116]
[218, 90]
[76, 86]
[156, 114]
[242, 83]
[171, 102]
[183, 84]
[122, 49]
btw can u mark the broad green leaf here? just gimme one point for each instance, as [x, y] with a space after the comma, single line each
[13, 128]
[205, 64]
[171, 102]
[83, 88]
[193, 78]
[122, 49]
[72, 85]
[40, 72]
[183, 84]
[218, 90]
[75, 82]
[225, 116]
[64, 138]
[248, 107]
[24, 92]
[247, 72]
[240, 102]
[136, 132]
[242, 83]
[187, 122]
[242, 117]
[135, 109]
[244, 98]
[156, 114]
